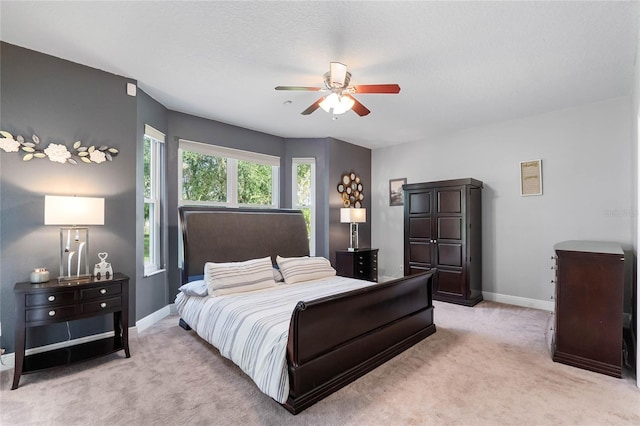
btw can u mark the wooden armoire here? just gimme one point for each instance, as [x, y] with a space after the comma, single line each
[443, 230]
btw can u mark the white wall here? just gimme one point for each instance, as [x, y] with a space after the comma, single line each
[635, 137]
[587, 184]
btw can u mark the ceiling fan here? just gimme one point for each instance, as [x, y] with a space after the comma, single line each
[340, 99]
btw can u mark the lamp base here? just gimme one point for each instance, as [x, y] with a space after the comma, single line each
[74, 253]
[66, 278]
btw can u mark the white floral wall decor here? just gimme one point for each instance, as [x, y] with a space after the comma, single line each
[58, 153]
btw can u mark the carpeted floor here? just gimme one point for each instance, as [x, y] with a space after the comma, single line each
[487, 365]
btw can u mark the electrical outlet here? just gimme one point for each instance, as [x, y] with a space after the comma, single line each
[401, 268]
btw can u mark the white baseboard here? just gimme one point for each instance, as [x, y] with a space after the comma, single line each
[146, 322]
[8, 360]
[519, 301]
[503, 298]
[173, 309]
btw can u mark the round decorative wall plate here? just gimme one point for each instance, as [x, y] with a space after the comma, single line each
[351, 190]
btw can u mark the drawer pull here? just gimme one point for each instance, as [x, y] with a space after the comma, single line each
[52, 313]
[52, 298]
[103, 291]
[103, 305]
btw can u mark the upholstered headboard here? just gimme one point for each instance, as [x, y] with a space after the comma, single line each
[221, 234]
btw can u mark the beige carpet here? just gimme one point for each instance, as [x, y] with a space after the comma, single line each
[486, 365]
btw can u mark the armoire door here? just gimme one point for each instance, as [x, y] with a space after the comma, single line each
[450, 241]
[419, 252]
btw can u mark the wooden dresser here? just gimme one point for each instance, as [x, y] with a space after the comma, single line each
[589, 305]
[360, 263]
[443, 230]
[53, 302]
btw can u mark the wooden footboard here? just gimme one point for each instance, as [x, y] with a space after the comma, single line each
[336, 339]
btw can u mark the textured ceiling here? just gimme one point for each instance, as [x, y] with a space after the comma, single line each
[459, 64]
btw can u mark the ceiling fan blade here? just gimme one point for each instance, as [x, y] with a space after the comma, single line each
[309, 89]
[314, 106]
[357, 107]
[377, 88]
[338, 74]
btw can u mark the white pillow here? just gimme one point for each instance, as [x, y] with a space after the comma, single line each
[237, 277]
[299, 269]
[195, 288]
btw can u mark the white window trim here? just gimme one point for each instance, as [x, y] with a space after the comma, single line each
[294, 196]
[221, 151]
[233, 156]
[155, 235]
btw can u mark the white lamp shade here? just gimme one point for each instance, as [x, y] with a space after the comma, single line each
[63, 210]
[352, 215]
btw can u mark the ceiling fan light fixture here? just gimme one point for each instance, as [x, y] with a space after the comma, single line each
[336, 104]
[340, 98]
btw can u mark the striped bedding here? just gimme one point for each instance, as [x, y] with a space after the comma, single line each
[251, 329]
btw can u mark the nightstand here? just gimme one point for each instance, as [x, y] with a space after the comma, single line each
[53, 302]
[360, 263]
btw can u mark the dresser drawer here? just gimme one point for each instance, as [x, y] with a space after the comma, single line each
[53, 298]
[366, 261]
[57, 313]
[103, 291]
[106, 305]
[367, 274]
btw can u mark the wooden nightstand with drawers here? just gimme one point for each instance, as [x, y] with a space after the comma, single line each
[360, 263]
[53, 302]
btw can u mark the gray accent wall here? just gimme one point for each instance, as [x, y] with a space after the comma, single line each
[63, 102]
[153, 289]
[333, 159]
[318, 149]
[344, 158]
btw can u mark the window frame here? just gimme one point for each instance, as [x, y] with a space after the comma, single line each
[232, 156]
[312, 195]
[155, 200]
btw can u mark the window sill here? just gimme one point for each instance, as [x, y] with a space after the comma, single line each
[148, 274]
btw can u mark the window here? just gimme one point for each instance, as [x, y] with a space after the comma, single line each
[303, 194]
[153, 177]
[215, 175]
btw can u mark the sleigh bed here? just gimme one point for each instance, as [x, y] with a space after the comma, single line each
[328, 342]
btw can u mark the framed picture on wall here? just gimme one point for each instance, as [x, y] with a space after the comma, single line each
[530, 178]
[396, 194]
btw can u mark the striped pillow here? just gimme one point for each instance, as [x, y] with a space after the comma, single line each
[237, 277]
[299, 269]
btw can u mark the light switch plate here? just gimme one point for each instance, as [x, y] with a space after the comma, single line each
[131, 89]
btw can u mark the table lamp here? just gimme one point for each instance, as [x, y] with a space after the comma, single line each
[353, 216]
[74, 240]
